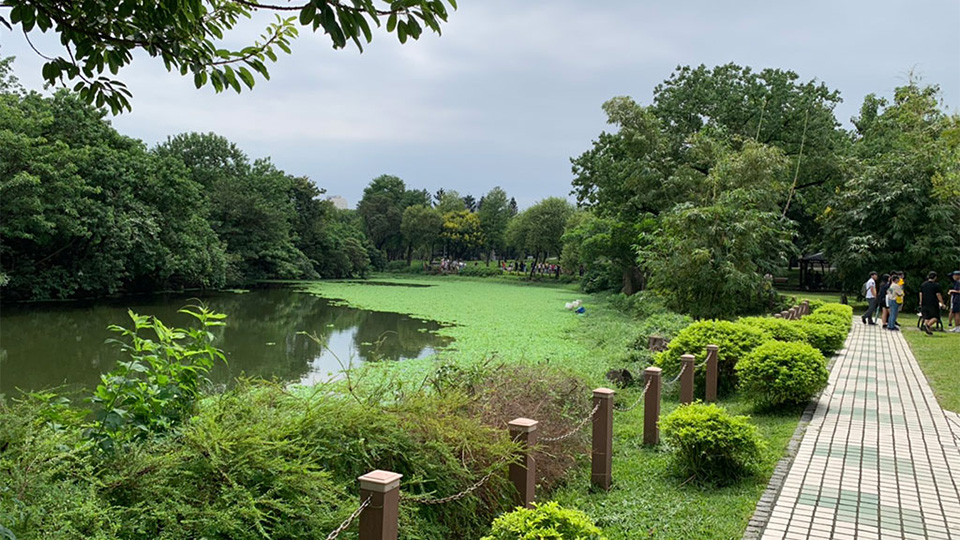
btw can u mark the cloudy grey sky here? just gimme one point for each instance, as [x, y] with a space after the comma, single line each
[513, 89]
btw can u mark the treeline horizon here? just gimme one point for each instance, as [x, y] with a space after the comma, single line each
[722, 179]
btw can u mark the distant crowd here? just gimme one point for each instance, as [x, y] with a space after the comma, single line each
[885, 296]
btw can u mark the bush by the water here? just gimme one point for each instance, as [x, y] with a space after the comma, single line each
[734, 339]
[827, 338]
[709, 444]
[777, 373]
[547, 521]
[779, 329]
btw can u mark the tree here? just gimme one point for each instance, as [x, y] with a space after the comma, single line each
[450, 201]
[251, 207]
[539, 229]
[470, 203]
[891, 213]
[421, 227]
[381, 208]
[461, 230]
[100, 36]
[711, 253]
[89, 212]
[494, 216]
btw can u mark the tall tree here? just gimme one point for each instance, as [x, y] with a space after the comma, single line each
[191, 36]
[538, 230]
[494, 216]
[421, 228]
[462, 232]
[450, 201]
[891, 213]
[381, 208]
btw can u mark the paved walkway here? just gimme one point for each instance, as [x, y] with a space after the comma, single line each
[880, 459]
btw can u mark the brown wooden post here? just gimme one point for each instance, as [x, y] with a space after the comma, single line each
[601, 466]
[792, 314]
[379, 520]
[713, 371]
[523, 474]
[655, 343]
[785, 314]
[687, 365]
[651, 405]
[806, 308]
[777, 316]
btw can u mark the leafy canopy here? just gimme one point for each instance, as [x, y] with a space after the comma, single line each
[193, 37]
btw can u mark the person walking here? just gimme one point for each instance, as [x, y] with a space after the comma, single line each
[870, 288]
[882, 311]
[954, 293]
[930, 302]
[894, 299]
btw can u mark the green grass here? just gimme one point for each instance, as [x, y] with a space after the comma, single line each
[858, 306]
[939, 358]
[528, 323]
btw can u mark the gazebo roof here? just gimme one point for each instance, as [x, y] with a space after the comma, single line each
[816, 257]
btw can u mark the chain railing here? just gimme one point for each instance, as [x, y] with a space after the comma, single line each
[573, 431]
[677, 378]
[450, 498]
[346, 523]
[639, 399]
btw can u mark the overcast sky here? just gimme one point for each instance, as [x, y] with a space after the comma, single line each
[513, 89]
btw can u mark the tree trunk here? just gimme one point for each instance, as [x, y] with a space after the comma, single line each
[632, 281]
[409, 254]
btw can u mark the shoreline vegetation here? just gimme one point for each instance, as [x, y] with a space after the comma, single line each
[516, 349]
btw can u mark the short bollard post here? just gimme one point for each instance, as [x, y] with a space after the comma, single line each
[651, 405]
[687, 367]
[601, 466]
[794, 315]
[379, 520]
[805, 308]
[655, 343]
[785, 314]
[523, 474]
[713, 371]
[777, 316]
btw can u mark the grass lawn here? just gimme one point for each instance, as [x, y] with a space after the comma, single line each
[528, 323]
[939, 358]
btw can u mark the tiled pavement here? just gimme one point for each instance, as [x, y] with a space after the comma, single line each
[879, 459]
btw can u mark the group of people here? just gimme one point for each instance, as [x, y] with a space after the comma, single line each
[541, 268]
[885, 297]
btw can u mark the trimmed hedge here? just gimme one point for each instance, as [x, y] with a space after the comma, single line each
[779, 329]
[825, 337]
[843, 311]
[734, 339]
[777, 373]
[709, 444]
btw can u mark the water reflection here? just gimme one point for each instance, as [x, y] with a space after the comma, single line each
[53, 344]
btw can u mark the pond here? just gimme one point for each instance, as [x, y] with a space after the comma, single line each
[52, 344]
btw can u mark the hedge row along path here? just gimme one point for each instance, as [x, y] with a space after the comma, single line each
[879, 459]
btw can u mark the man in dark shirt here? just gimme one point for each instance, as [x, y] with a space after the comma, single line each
[930, 302]
[954, 302]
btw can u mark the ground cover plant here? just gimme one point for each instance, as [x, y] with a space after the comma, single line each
[548, 521]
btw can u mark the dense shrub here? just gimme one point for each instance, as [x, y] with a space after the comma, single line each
[498, 393]
[667, 325]
[828, 338]
[255, 462]
[547, 521]
[734, 339]
[709, 444]
[815, 304]
[778, 373]
[481, 271]
[831, 319]
[640, 305]
[779, 329]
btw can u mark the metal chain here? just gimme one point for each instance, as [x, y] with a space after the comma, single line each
[451, 498]
[574, 430]
[637, 402]
[677, 378]
[346, 523]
